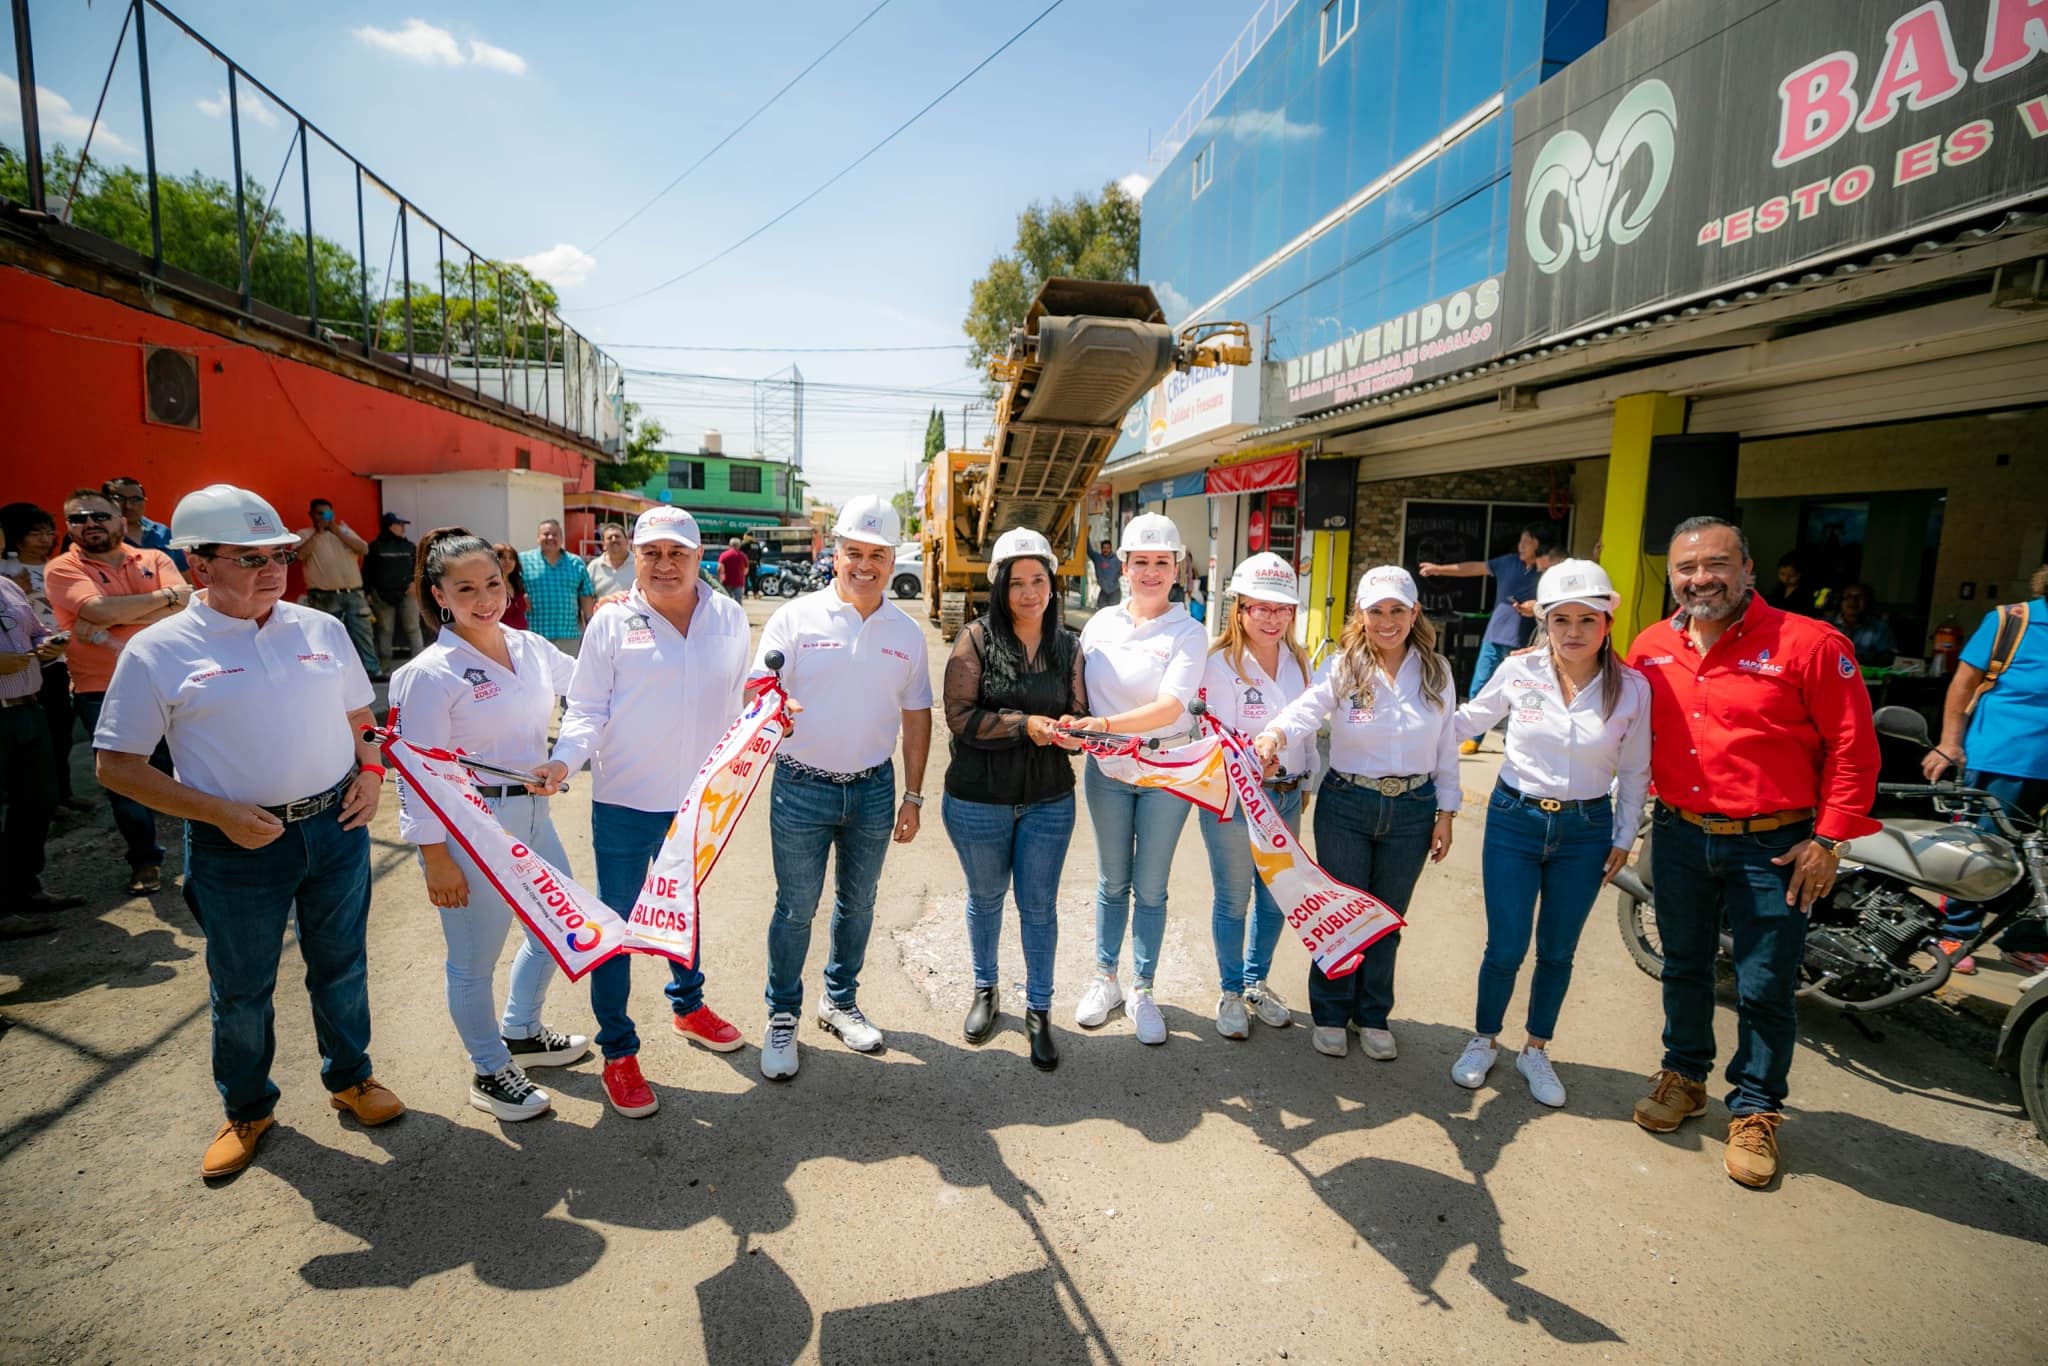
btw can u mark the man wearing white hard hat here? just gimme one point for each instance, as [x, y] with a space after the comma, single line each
[1009, 800]
[1142, 660]
[661, 675]
[1564, 812]
[1386, 805]
[263, 704]
[1254, 670]
[858, 665]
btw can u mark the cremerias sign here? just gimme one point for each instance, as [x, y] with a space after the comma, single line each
[1702, 147]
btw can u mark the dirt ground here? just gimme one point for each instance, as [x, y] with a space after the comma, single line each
[1204, 1201]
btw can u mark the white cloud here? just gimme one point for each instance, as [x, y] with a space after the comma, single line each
[420, 41]
[564, 266]
[1259, 125]
[496, 58]
[253, 107]
[60, 122]
[1135, 184]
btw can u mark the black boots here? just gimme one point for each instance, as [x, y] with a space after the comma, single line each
[1045, 1055]
[982, 1015]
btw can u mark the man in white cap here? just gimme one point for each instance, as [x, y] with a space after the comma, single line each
[263, 704]
[858, 665]
[660, 677]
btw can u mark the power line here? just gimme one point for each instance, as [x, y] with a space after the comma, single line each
[836, 177]
[787, 350]
[687, 170]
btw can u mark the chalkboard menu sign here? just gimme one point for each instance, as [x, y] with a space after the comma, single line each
[1445, 533]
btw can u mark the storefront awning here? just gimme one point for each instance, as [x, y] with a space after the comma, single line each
[1254, 476]
[1180, 486]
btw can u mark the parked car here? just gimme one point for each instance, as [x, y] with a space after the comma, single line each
[908, 581]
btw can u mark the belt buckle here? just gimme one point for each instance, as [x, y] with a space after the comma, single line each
[1392, 787]
[1551, 804]
[298, 810]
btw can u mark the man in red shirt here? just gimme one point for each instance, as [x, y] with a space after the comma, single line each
[1764, 760]
[732, 569]
[104, 591]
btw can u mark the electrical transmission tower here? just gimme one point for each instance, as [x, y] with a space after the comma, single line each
[779, 416]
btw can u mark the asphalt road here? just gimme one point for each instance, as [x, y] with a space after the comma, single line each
[1204, 1201]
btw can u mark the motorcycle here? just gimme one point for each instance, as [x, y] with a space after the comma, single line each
[1874, 942]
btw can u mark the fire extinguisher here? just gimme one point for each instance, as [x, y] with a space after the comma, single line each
[1948, 643]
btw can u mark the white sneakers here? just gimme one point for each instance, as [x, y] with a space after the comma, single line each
[849, 1024]
[1102, 996]
[1470, 1070]
[778, 1047]
[1145, 1015]
[1534, 1065]
[1331, 1040]
[1271, 1009]
[1378, 1044]
[1231, 1020]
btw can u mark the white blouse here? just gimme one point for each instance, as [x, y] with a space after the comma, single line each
[1248, 702]
[1128, 663]
[1397, 734]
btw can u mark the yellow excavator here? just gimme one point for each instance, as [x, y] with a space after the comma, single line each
[1088, 350]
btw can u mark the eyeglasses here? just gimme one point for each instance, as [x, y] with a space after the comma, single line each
[280, 558]
[1267, 609]
[81, 518]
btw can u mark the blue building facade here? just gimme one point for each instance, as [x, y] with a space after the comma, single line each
[1357, 167]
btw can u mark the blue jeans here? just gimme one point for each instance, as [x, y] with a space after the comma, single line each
[625, 840]
[812, 818]
[1001, 846]
[244, 899]
[1491, 653]
[136, 822]
[1964, 920]
[1531, 854]
[1240, 956]
[1378, 845]
[476, 934]
[1136, 829]
[1700, 880]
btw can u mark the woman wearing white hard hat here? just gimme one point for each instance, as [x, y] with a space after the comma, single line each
[1142, 661]
[1254, 671]
[1384, 809]
[1009, 797]
[1563, 815]
[489, 691]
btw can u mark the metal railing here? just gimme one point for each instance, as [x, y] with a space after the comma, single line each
[1265, 21]
[438, 310]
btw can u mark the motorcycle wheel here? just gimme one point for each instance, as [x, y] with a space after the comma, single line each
[1638, 921]
[2034, 1073]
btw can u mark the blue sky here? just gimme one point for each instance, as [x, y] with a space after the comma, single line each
[532, 130]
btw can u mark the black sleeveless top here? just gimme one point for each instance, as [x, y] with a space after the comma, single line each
[994, 759]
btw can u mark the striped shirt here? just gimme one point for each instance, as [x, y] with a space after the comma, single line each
[20, 633]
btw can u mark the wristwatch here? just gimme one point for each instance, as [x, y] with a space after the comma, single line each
[1833, 846]
[914, 798]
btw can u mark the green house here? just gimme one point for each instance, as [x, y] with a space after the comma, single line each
[729, 493]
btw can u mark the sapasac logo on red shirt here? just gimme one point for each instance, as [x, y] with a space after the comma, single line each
[1762, 664]
[1655, 659]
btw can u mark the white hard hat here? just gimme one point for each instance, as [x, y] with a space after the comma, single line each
[221, 514]
[1151, 531]
[1267, 578]
[1019, 543]
[1384, 582]
[668, 524]
[869, 518]
[1580, 581]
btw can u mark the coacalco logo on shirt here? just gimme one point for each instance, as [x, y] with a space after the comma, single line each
[481, 687]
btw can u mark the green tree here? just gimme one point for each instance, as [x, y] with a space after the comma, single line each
[640, 458]
[934, 436]
[1086, 239]
[906, 512]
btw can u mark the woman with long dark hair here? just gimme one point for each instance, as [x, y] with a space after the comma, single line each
[1564, 811]
[31, 535]
[515, 587]
[489, 690]
[1385, 807]
[1009, 798]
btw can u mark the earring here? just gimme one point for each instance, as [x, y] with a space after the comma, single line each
[447, 617]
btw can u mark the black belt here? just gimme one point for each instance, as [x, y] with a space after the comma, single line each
[500, 793]
[305, 808]
[826, 775]
[1286, 784]
[1545, 803]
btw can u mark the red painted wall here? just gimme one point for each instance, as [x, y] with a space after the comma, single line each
[71, 414]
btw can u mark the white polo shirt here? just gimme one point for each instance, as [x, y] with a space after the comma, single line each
[1568, 750]
[452, 696]
[647, 704]
[1128, 664]
[1248, 702]
[1396, 734]
[854, 676]
[251, 714]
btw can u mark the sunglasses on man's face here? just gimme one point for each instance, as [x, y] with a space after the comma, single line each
[280, 558]
[81, 518]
